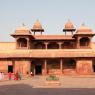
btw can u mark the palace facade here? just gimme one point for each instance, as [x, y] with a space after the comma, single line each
[70, 53]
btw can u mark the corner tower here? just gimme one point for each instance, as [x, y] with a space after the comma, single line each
[83, 37]
[22, 36]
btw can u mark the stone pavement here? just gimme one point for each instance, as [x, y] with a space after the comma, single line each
[70, 85]
[87, 81]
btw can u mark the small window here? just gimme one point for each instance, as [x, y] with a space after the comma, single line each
[22, 42]
[84, 41]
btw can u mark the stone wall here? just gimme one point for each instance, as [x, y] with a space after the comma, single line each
[4, 65]
[23, 66]
[20, 65]
[53, 68]
[84, 66]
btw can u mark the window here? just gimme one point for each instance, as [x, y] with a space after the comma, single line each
[22, 42]
[53, 45]
[84, 41]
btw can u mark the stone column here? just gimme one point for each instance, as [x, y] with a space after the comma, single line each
[29, 67]
[16, 44]
[89, 42]
[34, 71]
[13, 63]
[78, 42]
[45, 67]
[60, 43]
[46, 44]
[61, 66]
[28, 46]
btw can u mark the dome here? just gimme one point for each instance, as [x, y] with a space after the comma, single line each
[83, 27]
[37, 27]
[84, 30]
[69, 25]
[22, 30]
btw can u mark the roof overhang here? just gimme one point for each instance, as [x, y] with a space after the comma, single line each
[77, 53]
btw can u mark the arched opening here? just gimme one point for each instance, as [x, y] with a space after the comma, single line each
[37, 67]
[22, 43]
[68, 45]
[53, 66]
[84, 42]
[39, 45]
[53, 45]
[69, 63]
[93, 65]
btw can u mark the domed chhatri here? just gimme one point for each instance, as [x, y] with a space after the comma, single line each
[37, 27]
[22, 30]
[69, 27]
[84, 28]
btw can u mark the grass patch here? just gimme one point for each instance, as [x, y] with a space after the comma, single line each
[52, 78]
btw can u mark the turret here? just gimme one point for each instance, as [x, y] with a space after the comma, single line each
[69, 27]
[37, 27]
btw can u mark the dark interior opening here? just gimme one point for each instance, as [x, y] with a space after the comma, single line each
[10, 68]
[38, 69]
[94, 68]
[84, 41]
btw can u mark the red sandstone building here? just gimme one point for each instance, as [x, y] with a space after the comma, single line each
[49, 54]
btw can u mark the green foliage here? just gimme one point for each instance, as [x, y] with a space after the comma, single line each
[52, 78]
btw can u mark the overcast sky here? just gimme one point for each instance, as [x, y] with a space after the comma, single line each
[53, 14]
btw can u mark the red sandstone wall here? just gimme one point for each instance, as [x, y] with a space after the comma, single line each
[4, 66]
[54, 69]
[84, 67]
[7, 46]
[22, 66]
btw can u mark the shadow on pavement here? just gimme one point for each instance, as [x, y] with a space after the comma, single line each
[23, 89]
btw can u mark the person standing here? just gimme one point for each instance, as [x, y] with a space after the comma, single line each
[16, 76]
[19, 75]
[2, 75]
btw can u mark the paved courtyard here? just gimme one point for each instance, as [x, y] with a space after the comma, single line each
[70, 85]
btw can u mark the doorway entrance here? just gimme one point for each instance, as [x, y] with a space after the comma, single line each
[38, 69]
[10, 68]
[94, 68]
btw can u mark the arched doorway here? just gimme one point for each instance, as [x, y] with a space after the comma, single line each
[84, 42]
[37, 66]
[22, 43]
[69, 66]
[38, 69]
[10, 68]
[93, 66]
[69, 63]
[68, 45]
[39, 45]
[53, 45]
[53, 66]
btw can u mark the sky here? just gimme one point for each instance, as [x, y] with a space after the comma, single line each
[53, 14]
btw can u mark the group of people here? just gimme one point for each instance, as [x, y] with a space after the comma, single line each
[1, 75]
[17, 76]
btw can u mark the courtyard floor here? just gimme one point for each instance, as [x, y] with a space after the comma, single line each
[70, 85]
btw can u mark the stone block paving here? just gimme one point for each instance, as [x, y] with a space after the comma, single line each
[70, 85]
[87, 81]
